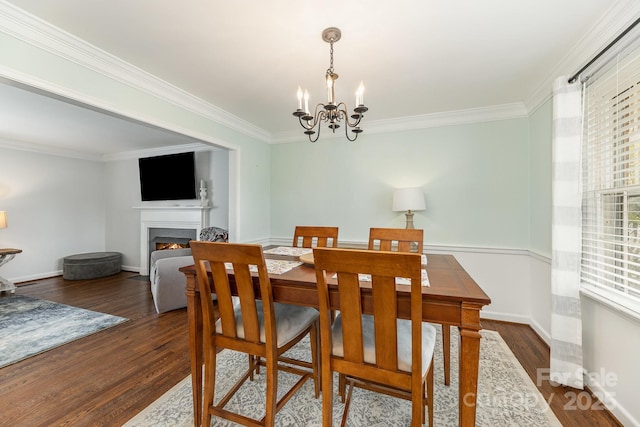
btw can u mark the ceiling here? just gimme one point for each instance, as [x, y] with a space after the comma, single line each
[248, 58]
[41, 122]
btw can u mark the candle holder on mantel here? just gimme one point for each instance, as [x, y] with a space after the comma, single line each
[204, 201]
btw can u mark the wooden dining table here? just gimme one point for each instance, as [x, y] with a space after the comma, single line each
[452, 298]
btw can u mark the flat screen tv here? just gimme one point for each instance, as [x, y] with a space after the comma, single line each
[170, 177]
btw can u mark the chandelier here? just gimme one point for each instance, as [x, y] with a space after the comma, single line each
[332, 113]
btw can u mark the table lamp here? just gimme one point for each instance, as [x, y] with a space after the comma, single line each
[3, 219]
[408, 199]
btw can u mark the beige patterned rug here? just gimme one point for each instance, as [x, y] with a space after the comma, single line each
[506, 395]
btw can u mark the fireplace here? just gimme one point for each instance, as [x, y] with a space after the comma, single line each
[169, 238]
[166, 246]
[168, 225]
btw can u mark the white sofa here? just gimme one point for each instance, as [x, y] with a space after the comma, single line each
[167, 282]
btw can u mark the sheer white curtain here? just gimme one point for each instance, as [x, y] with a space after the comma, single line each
[566, 230]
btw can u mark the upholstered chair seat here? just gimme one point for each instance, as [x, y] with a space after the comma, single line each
[404, 342]
[289, 320]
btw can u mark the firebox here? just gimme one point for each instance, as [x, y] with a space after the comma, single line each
[167, 243]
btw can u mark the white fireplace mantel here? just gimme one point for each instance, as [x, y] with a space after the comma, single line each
[189, 217]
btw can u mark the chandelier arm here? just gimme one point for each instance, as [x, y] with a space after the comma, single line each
[321, 117]
[317, 136]
[318, 114]
[345, 114]
[315, 119]
[356, 123]
[346, 133]
[346, 128]
[303, 124]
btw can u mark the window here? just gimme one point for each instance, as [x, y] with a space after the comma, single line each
[611, 178]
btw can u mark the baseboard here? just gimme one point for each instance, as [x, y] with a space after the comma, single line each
[542, 333]
[23, 279]
[504, 317]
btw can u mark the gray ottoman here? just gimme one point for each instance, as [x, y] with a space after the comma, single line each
[91, 265]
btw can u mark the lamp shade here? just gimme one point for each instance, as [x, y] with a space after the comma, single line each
[3, 219]
[408, 199]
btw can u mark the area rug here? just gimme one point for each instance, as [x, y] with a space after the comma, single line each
[506, 395]
[29, 326]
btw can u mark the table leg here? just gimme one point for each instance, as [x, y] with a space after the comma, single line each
[446, 352]
[469, 362]
[5, 284]
[195, 346]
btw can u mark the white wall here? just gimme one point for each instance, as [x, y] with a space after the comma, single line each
[55, 208]
[122, 193]
[59, 206]
[218, 186]
[610, 349]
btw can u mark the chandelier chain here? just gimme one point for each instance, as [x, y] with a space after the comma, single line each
[331, 56]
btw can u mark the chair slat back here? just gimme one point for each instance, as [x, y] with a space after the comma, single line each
[325, 237]
[213, 256]
[383, 268]
[403, 239]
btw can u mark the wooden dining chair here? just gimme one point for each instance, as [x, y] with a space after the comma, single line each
[409, 240]
[324, 237]
[376, 351]
[400, 239]
[259, 328]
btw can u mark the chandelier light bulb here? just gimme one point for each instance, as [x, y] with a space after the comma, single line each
[330, 88]
[306, 101]
[299, 94]
[360, 94]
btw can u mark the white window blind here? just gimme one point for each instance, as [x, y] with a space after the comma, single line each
[611, 176]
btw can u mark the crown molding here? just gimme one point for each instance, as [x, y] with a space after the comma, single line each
[125, 155]
[158, 151]
[45, 149]
[32, 30]
[619, 16]
[424, 121]
[490, 113]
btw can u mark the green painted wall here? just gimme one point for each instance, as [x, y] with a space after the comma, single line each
[474, 177]
[540, 123]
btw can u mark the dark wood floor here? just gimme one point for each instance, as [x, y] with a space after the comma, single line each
[106, 378]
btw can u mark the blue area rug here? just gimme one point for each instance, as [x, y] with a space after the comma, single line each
[29, 326]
